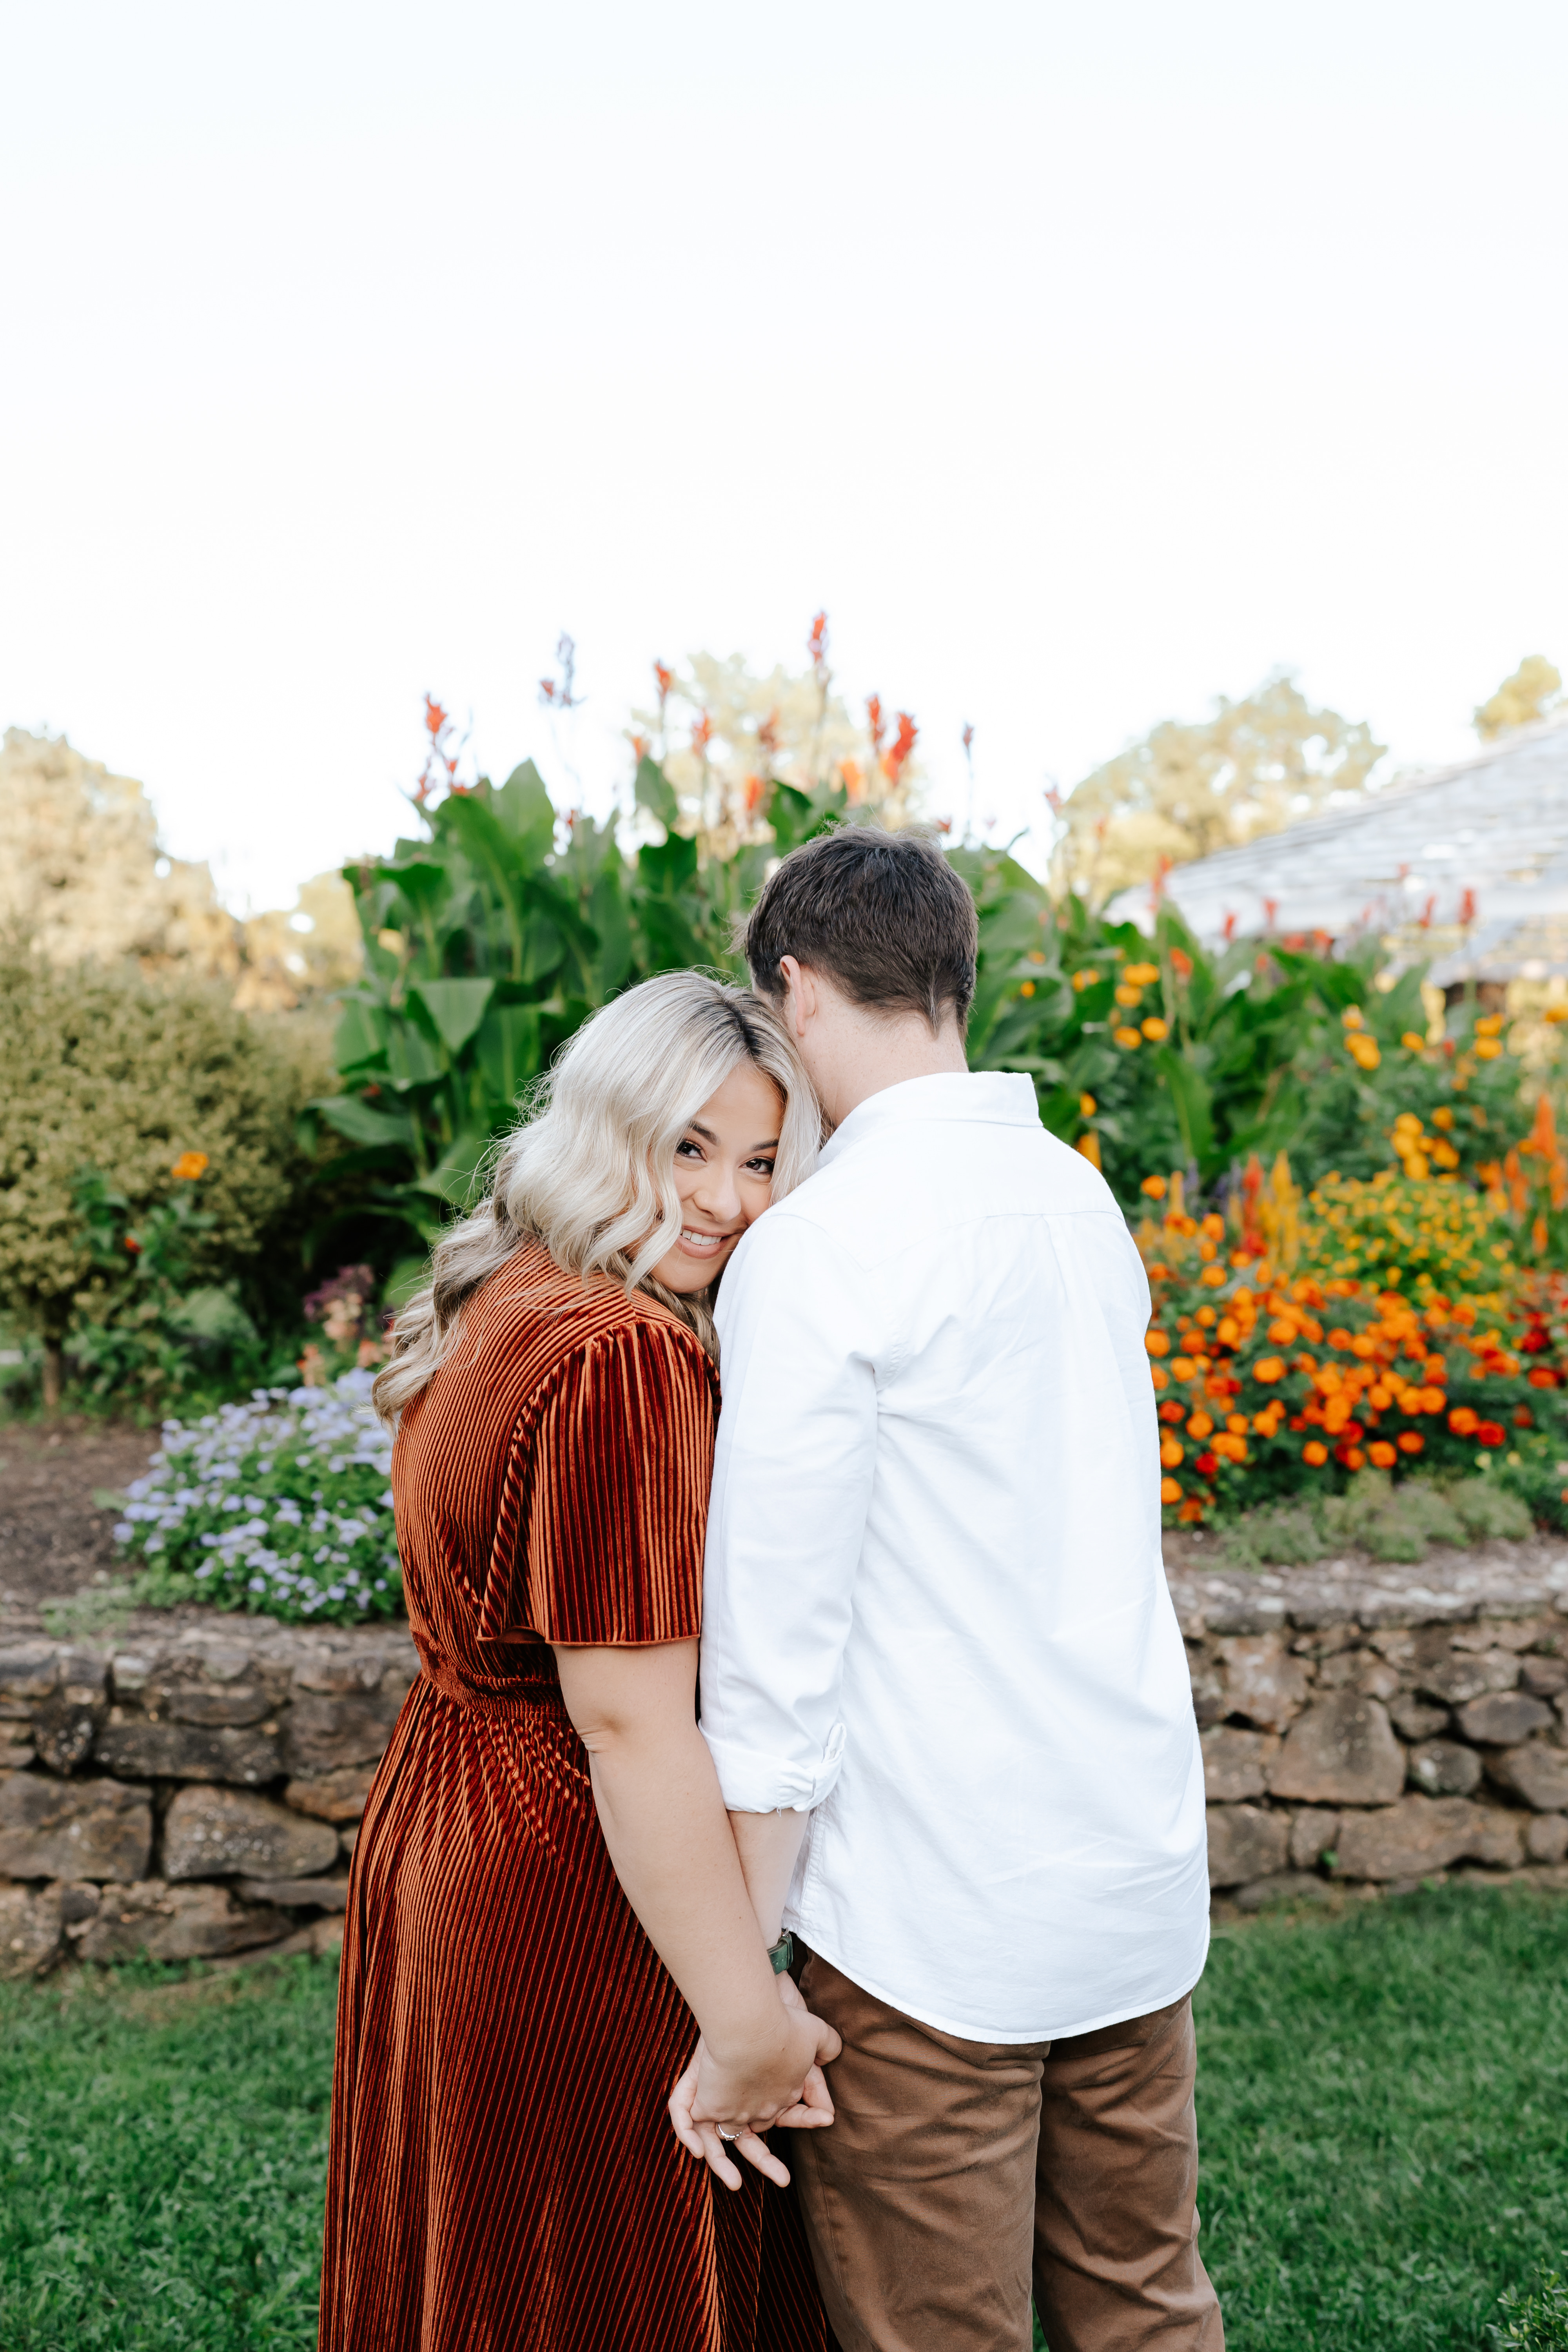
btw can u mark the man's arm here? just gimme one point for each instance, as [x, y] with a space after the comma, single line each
[664, 1823]
[792, 1485]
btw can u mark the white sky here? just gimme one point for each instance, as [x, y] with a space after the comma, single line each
[1083, 360]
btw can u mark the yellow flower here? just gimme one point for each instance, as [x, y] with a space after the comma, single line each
[1488, 1049]
[1154, 1186]
[1414, 1041]
[1027, 989]
[1363, 1049]
[1088, 1106]
[1128, 1038]
[1155, 1029]
[189, 1166]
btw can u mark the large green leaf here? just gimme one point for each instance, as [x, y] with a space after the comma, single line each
[361, 1122]
[454, 1177]
[1190, 1102]
[507, 1049]
[456, 1006]
[424, 882]
[524, 808]
[655, 791]
[361, 1035]
[410, 1057]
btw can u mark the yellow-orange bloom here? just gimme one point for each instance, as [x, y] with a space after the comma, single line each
[1414, 1041]
[1170, 1490]
[1411, 1440]
[1229, 1447]
[1488, 1048]
[1141, 975]
[1088, 1106]
[1183, 1367]
[1269, 1368]
[1172, 1452]
[1155, 1029]
[1362, 1049]
[1315, 1453]
[1157, 1343]
[1381, 1454]
[1128, 1038]
[1154, 1186]
[1201, 1425]
[190, 1165]
[1214, 1277]
[1090, 1146]
[1462, 1421]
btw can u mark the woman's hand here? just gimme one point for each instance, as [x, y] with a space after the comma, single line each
[747, 2100]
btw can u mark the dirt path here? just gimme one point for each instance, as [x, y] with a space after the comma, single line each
[55, 1541]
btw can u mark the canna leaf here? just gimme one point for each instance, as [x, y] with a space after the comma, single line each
[456, 1006]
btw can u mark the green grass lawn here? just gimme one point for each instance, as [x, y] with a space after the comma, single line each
[1383, 2099]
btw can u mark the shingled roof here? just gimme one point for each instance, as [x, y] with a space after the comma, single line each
[1465, 866]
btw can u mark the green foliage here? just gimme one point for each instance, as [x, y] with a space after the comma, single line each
[486, 944]
[1536, 2320]
[161, 2165]
[1380, 2114]
[103, 1072]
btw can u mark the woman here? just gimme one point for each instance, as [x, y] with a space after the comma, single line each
[546, 1867]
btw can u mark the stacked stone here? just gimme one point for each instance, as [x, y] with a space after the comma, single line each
[196, 1795]
[187, 1796]
[1376, 1729]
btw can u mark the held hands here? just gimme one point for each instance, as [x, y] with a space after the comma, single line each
[778, 2081]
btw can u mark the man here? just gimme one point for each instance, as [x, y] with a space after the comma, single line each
[943, 1681]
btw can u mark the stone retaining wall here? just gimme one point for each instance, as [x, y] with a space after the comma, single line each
[195, 1793]
[1375, 1727]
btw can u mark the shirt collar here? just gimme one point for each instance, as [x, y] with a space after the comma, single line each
[988, 1098]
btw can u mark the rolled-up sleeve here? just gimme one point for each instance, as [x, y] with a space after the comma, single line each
[792, 1485]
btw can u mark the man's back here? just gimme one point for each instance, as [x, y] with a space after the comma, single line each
[935, 1608]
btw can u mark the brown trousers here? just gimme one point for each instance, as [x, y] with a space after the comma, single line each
[955, 2168]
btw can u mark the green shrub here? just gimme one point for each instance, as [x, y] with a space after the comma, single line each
[1537, 2320]
[104, 1075]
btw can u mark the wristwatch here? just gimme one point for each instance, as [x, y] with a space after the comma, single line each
[781, 1954]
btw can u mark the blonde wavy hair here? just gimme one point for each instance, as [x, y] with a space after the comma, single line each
[590, 1171]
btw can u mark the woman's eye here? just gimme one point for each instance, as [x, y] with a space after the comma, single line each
[761, 1167]
[692, 1150]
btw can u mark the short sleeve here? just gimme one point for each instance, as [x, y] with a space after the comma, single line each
[617, 1506]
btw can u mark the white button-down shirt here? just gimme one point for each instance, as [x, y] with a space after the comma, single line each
[935, 1611]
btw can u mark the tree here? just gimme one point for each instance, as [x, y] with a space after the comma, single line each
[1534, 691]
[84, 876]
[1186, 790]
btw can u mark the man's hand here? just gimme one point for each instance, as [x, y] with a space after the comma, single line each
[746, 2100]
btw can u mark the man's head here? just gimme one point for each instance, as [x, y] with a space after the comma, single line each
[865, 941]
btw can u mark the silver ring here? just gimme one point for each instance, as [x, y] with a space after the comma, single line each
[729, 2138]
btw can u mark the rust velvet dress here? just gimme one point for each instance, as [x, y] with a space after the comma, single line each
[502, 2171]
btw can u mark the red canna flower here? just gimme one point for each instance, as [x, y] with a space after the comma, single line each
[1467, 907]
[1181, 964]
[435, 717]
[816, 646]
[702, 732]
[132, 1245]
[895, 757]
[877, 725]
[664, 680]
[1228, 932]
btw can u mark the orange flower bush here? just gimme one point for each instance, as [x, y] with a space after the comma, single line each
[1273, 1376]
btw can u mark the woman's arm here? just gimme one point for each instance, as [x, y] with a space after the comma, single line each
[670, 1840]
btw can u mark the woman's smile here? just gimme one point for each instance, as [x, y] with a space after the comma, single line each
[696, 1244]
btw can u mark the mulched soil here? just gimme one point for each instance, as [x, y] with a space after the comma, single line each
[55, 1541]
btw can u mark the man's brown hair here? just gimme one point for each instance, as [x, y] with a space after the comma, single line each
[882, 915]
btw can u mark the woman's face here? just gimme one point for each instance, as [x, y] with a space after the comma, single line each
[723, 1174]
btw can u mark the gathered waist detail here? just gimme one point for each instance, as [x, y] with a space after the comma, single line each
[527, 1691]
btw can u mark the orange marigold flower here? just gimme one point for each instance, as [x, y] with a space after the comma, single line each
[1269, 1369]
[1411, 1440]
[1087, 1106]
[1156, 1186]
[1315, 1453]
[1170, 1490]
[1090, 1146]
[1462, 1421]
[1191, 1510]
[1183, 1367]
[1213, 1276]
[1363, 1049]
[1540, 1378]
[190, 1165]
[1383, 1455]
[1413, 1041]
[1206, 1464]
[1488, 1048]
[1489, 1433]
[1201, 1425]
[1155, 1029]
[1161, 1379]
[1353, 1458]
[1157, 1343]
[1127, 1037]
[1172, 1452]
[1432, 1400]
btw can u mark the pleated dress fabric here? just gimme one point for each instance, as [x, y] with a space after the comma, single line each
[503, 2173]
